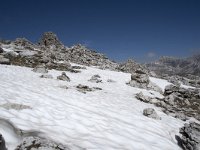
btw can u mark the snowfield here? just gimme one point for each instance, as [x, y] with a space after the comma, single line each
[110, 119]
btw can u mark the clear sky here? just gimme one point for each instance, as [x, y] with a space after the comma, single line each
[122, 29]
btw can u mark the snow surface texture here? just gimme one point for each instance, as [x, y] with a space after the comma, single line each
[110, 119]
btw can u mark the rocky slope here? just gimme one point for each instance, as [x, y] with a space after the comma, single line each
[177, 66]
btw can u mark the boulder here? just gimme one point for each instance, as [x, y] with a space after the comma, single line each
[40, 69]
[151, 113]
[1, 50]
[190, 139]
[4, 60]
[63, 77]
[83, 88]
[95, 78]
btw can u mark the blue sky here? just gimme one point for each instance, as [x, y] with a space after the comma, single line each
[122, 29]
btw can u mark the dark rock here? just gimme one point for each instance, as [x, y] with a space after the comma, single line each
[1, 50]
[63, 77]
[2, 143]
[190, 139]
[33, 143]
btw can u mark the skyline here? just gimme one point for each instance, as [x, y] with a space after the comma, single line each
[143, 30]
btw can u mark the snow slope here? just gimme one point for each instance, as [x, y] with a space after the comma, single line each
[110, 119]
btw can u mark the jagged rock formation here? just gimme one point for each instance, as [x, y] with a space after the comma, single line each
[50, 51]
[190, 139]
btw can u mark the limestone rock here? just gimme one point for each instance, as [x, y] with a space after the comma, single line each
[63, 77]
[95, 78]
[190, 139]
[40, 69]
[151, 113]
[4, 60]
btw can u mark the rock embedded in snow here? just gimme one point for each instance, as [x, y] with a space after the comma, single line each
[151, 113]
[40, 69]
[141, 80]
[2, 143]
[15, 106]
[36, 143]
[1, 50]
[143, 98]
[83, 88]
[96, 79]
[63, 77]
[4, 60]
[110, 81]
[48, 76]
[190, 139]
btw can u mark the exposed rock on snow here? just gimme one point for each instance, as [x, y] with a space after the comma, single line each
[85, 88]
[40, 69]
[190, 139]
[15, 106]
[130, 66]
[151, 113]
[95, 78]
[1, 50]
[36, 143]
[48, 76]
[141, 80]
[4, 60]
[2, 143]
[63, 77]
[111, 81]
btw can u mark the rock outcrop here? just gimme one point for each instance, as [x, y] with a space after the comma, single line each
[141, 80]
[36, 143]
[190, 139]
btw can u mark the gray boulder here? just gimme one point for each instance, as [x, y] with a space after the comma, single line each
[4, 60]
[63, 77]
[151, 113]
[190, 139]
[1, 50]
[2, 143]
[40, 69]
[95, 78]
